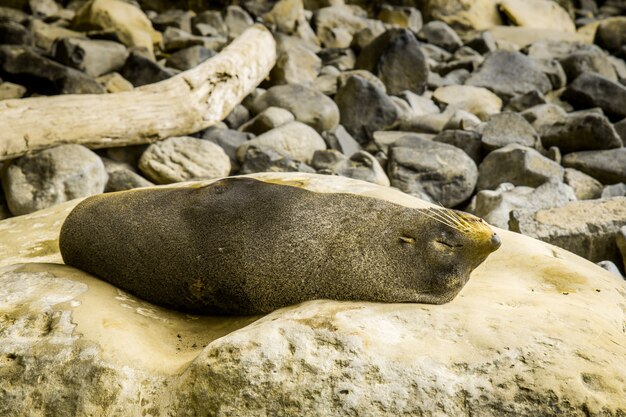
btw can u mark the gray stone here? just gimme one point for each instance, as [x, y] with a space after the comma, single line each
[343, 77]
[268, 119]
[587, 228]
[25, 65]
[339, 139]
[10, 90]
[176, 39]
[336, 25]
[364, 109]
[114, 83]
[440, 34]
[592, 90]
[482, 42]
[611, 33]
[327, 159]
[614, 190]
[293, 139]
[402, 17]
[129, 155]
[396, 58]
[289, 16]
[495, 205]
[581, 131]
[463, 120]
[307, 105]
[554, 71]
[467, 140]
[442, 172]
[237, 20]
[229, 140]
[428, 123]
[209, 23]
[52, 176]
[46, 34]
[543, 116]
[585, 187]
[141, 70]
[525, 101]
[297, 65]
[325, 84]
[419, 104]
[608, 167]
[93, 57]
[361, 166]
[517, 165]
[176, 18]
[588, 61]
[611, 267]
[237, 117]
[510, 74]
[435, 54]
[189, 58]
[183, 158]
[263, 159]
[620, 128]
[122, 177]
[343, 59]
[479, 101]
[13, 33]
[508, 128]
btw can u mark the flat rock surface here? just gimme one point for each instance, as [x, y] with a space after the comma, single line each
[534, 323]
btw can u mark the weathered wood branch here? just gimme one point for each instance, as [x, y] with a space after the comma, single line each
[183, 104]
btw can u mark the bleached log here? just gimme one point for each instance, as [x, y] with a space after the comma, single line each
[188, 102]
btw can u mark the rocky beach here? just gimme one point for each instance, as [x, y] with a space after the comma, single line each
[512, 110]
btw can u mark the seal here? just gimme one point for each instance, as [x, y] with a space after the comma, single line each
[244, 246]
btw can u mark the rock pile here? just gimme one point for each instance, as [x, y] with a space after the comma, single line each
[491, 107]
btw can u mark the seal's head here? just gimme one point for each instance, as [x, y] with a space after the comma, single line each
[456, 243]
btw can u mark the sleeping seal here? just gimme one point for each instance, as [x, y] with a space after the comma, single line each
[243, 246]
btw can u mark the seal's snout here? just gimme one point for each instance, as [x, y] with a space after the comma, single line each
[496, 241]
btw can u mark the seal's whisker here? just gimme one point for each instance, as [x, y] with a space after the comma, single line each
[444, 213]
[436, 215]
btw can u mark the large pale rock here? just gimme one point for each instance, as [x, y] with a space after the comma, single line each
[130, 24]
[476, 100]
[464, 14]
[587, 228]
[51, 177]
[537, 14]
[293, 139]
[183, 158]
[535, 324]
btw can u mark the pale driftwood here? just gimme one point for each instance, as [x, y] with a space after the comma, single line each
[183, 104]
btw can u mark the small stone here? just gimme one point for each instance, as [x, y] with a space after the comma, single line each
[237, 117]
[307, 105]
[608, 167]
[401, 17]
[440, 34]
[396, 58]
[93, 57]
[537, 14]
[297, 65]
[268, 119]
[263, 159]
[620, 128]
[365, 36]
[587, 228]
[466, 140]
[615, 190]
[443, 173]
[325, 84]
[476, 14]
[429, 123]
[326, 159]
[130, 25]
[517, 165]
[592, 61]
[189, 58]
[43, 8]
[543, 116]
[176, 39]
[463, 120]
[128, 155]
[339, 139]
[336, 26]
[43, 75]
[293, 139]
[508, 128]
[227, 139]
[362, 166]
[419, 104]
[343, 77]
[342, 59]
[209, 23]
[510, 74]
[592, 90]
[611, 267]
[364, 108]
[585, 187]
[9, 91]
[482, 42]
[526, 101]
[140, 70]
[581, 131]
[479, 101]
[46, 35]
[237, 20]
[554, 71]
[611, 33]
[114, 83]
[288, 16]
[52, 176]
[183, 158]
[13, 33]
[495, 205]
[176, 18]
[122, 177]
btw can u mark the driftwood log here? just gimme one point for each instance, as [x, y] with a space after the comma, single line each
[183, 104]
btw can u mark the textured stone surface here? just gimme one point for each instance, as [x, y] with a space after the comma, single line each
[443, 173]
[268, 119]
[476, 100]
[585, 187]
[537, 14]
[608, 167]
[183, 158]
[518, 165]
[440, 34]
[264, 159]
[94, 57]
[52, 176]
[467, 140]
[592, 90]
[587, 228]
[508, 128]
[62, 326]
[581, 131]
